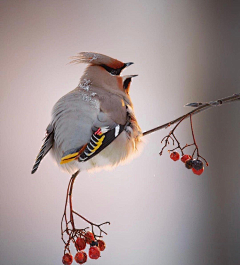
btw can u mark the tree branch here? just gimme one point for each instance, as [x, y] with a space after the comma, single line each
[198, 108]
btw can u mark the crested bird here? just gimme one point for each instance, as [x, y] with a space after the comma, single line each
[94, 125]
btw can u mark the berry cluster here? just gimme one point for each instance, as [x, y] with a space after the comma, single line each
[96, 245]
[79, 237]
[195, 164]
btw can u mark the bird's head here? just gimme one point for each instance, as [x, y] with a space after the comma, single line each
[104, 72]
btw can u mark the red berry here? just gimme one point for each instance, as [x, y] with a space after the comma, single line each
[80, 243]
[80, 257]
[185, 158]
[89, 237]
[67, 259]
[174, 156]
[94, 253]
[198, 172]
[101, 245]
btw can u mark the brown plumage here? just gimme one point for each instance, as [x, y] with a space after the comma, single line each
[100, 101]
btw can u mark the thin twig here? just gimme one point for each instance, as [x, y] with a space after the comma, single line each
[199, 107]
[68, 228]
[195, 143]
[92, 224]
[169, 136]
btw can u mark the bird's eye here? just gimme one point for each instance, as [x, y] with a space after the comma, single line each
[112, 71]
[115, 72]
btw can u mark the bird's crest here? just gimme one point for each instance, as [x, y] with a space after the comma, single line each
[97, 59]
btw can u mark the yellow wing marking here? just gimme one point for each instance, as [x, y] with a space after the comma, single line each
[99, 143]
[68, 158]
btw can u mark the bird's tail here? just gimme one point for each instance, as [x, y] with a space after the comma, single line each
[47, 145]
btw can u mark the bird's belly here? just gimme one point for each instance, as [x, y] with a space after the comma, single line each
[123, 149]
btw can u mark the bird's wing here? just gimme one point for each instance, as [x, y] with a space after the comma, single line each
[100, 140]
[47, 145]
[112, 104]
[89, 136]
[105, 130]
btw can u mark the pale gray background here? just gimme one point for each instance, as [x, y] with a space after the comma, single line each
[160, 213]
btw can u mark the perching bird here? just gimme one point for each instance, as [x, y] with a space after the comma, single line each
[94, 125]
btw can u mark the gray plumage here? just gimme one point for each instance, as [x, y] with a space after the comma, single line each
[100, 100]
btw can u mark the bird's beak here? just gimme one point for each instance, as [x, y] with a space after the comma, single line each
[128, 64]
[125, 77]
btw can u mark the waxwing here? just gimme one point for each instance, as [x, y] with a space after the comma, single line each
[94, 125]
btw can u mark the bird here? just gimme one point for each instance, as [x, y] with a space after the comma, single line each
[93, 126]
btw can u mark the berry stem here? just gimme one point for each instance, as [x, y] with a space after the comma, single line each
[170, 135]
[194, 143]
[193, 136]
[70, 229]
[70, 198]
[174, 139]
[92, 224]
